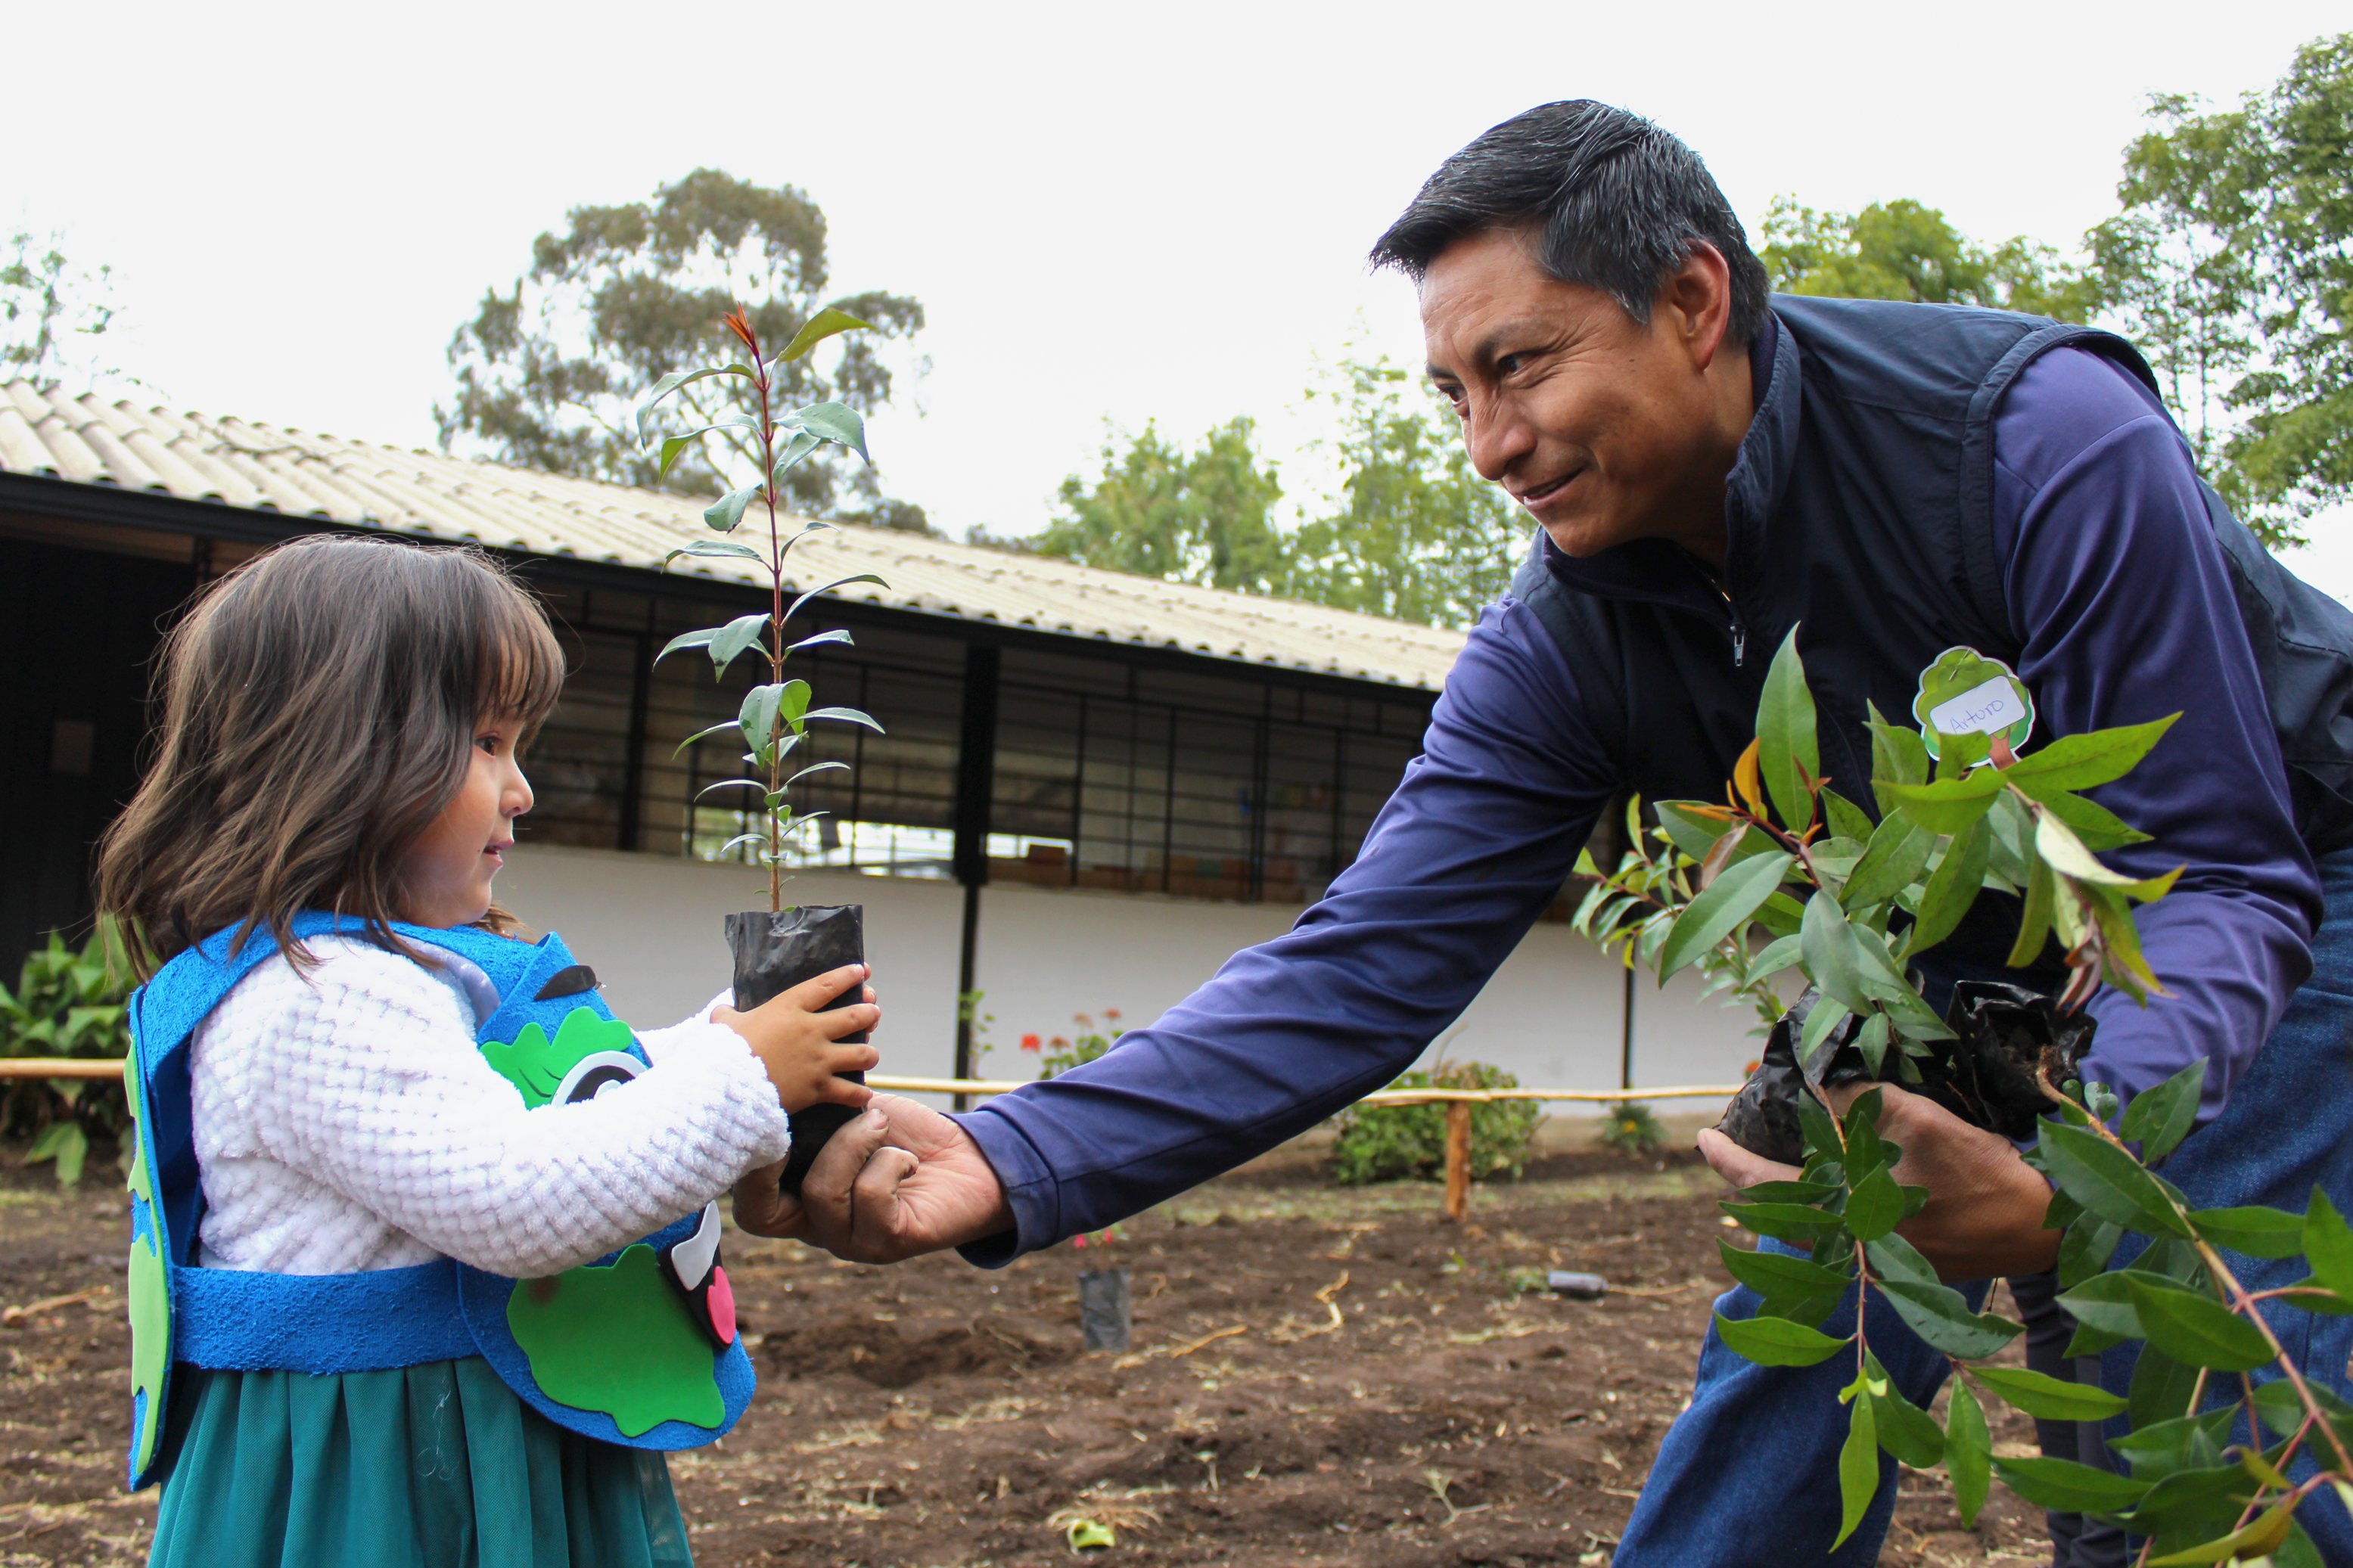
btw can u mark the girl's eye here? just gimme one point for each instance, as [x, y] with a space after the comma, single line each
[488, 742]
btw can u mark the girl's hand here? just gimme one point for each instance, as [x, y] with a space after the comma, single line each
[802, 1048]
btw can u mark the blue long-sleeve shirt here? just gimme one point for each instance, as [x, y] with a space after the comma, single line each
[2114, 579]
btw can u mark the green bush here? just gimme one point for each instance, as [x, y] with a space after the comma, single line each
[1408, 1142]
[66, 1003]
[1632, 1128]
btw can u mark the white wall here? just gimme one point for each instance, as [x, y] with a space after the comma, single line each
[650, 925]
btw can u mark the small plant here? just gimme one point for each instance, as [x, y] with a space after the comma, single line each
[1408, 1142]
[1847, 902]
[775, 714]
[66, 1003]
[1060, 1054]
[1632, 1128]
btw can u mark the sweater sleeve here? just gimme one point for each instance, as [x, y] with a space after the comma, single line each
[2124, 606]
[365, 1079]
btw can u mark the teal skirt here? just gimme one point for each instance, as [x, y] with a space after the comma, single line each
[439, 1466]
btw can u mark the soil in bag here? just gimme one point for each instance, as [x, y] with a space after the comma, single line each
[1987, 1076]
[775, 952]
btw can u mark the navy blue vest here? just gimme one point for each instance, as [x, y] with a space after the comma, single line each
[1863, 510]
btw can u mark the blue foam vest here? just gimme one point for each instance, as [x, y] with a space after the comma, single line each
[187, 1315]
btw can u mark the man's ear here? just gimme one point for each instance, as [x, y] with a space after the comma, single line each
[1696, 302]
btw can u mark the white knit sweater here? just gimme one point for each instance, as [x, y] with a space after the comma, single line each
[348, 1122]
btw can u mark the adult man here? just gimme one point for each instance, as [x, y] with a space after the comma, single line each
[1708, 472]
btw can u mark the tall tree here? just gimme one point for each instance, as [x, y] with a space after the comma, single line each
[2232, 263]
[1202, 514]
[1905, 250]
[1415, 535]
[627, 294]
[54, 313]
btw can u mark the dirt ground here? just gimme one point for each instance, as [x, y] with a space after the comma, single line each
[1317, 1376]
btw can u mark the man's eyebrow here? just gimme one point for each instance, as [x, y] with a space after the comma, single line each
[1483, 352]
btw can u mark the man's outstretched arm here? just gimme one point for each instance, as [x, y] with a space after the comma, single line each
[1476, 843]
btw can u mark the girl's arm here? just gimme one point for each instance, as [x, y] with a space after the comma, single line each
[367, 1079]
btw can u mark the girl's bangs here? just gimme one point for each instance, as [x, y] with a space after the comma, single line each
[523, 665]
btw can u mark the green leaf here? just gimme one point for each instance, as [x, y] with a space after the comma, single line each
[817, 768]
[1898, 755]
[1875, 1207]
[2160, 1116]
[65, 1142]
[2056, 842]
[723, 514]
[2328, 1245]
[847, 715]
[836, 634]
[2255, 1231]
[2048, 1398]
[1787, 750]
[818, 327]
[2105, 1303]
[2087, 1246]
[2094, 824]
[671, 382]
[1952, 887]
[1968, 1453]
[793, 705]
[1776, 955]
[730, 641]
[727, 548]
[1689, 827]
[2257, 1541]
[1777, 1342]
[1940, 1315]
[758, 719]
[2034, 914]
[2066, 1487]
[1858, 1468]
[2107, 1181]
[802, 444]
[2197, 1330]
[1902, 1428]
[1822, 1025]
[719, 729]
[2160, 1387]
[1723, 908]
[829, 588]
[1833, 962]
[2095, 757]
[1944, 805]
[1847, 819]
[1785, 1222]
[835, 422]
[1898, 852]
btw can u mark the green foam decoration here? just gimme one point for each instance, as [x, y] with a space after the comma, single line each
[617, 1340]
[147, 1291]
[536, 1065]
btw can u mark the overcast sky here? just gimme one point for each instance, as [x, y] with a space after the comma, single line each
[1132, 212]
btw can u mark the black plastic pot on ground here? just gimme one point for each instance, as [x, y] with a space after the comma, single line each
[776, 950]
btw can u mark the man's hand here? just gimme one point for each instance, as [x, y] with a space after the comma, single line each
[1984, 1217]
[900, 1181]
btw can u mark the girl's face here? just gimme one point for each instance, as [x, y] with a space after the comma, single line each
[446, 875]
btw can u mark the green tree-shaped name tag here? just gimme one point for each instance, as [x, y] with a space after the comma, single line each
[617, 1340]
[1965, 699]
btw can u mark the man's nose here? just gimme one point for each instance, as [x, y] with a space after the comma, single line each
[1496, 437]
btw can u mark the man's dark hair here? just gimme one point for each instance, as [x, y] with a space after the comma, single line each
[1615, 201]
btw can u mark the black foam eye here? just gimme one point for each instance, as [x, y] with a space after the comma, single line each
[569, 982]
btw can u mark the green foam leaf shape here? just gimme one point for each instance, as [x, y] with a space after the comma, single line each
[617, 1340]
[145, 1286]
[536, 1065]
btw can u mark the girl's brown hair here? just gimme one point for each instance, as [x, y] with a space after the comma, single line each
[320, 704]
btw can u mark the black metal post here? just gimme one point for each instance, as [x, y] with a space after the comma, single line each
[976, 783]
[1626, 1045]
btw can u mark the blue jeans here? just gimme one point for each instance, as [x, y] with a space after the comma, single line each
[1748, 1473]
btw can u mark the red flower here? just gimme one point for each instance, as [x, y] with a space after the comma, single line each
[1032, 1043]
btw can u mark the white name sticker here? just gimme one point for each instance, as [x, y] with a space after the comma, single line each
[1994, 705]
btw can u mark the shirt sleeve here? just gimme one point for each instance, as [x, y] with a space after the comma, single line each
[1473, 846]
[2124, 599]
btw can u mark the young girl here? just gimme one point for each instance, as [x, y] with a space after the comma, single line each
[424, 1271]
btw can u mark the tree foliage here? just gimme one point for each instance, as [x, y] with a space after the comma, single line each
[1202, 514]
[2231, 264]
[628, 294]
[1413, 533]
[54, 313]
[1905, 250]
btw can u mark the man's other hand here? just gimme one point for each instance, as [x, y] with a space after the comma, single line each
[900, 1181]
[1984, 1217]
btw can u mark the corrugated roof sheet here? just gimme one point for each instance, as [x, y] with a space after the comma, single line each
[237, 462]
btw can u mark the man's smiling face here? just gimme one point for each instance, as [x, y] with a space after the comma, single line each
[1606, 428]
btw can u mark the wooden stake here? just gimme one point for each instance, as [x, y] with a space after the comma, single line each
[1458, 1160]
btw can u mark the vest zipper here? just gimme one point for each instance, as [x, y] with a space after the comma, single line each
[1739, 629]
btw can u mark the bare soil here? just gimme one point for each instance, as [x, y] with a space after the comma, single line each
[1318, 1376]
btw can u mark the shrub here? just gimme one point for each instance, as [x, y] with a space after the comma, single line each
[1408, 1142]
[66, 1003]
[1061, 1053]
[1632, 1128]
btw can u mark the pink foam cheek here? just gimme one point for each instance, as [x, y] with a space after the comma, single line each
[721, 1300]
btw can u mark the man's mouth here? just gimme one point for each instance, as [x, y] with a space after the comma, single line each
[1537, 496]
